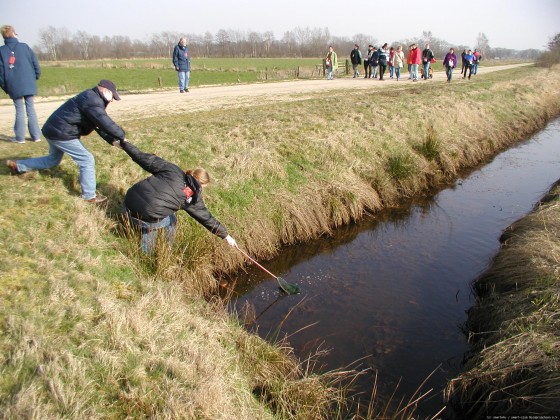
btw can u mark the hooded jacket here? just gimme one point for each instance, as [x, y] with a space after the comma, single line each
[164, 193]
[21, 80]
[79, 116]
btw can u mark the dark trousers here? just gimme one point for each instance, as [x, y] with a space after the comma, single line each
[367, 69]
[469, 67]
[382, 68]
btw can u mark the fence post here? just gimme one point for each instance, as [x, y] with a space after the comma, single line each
[324, 67]
[347, 67]
[160, 81]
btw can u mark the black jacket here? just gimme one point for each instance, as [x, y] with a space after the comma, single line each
[79, 116]
[163, 193]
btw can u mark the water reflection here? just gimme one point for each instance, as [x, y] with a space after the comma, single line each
[392, 291]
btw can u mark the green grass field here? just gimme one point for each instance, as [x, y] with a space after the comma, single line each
[67, 77]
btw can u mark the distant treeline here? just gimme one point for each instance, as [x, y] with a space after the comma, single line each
[61, 44]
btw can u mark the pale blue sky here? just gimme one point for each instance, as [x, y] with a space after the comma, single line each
[516, 24]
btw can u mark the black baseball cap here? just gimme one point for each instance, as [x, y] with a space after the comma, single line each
[107, 84]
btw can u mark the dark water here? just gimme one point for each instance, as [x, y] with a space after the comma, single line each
[392, 291]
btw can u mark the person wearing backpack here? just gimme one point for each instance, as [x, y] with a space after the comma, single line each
[19, 72]
[356, 59]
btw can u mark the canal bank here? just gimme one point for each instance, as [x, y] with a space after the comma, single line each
[514, 362]
[392, 290]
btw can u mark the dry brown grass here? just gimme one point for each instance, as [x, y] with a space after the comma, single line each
[515, 365]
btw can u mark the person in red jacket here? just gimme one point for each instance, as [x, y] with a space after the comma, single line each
[416, 59]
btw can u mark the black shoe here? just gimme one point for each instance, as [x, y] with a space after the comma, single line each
[186, 90]
[98, 199]
[181, 91]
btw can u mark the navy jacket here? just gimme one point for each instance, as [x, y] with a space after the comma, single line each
[79, 116]
[182, 58]
[163, 193]
[21, 80]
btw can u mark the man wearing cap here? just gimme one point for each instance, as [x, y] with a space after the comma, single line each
[77, 117]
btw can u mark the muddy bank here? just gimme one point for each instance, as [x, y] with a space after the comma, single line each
[514, 364]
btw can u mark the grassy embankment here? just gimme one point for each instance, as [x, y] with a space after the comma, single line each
[514, 368]
[90, 329]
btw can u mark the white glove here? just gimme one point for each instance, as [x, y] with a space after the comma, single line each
[231, 241]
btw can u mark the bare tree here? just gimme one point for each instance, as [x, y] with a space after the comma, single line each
[482, 44]
[208, 40]
[222, 38]
[162, 44]
[51, 39]
[268, 39]
[83, 40]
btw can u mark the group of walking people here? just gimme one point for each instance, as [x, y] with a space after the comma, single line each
[150, 204]
[419, 63]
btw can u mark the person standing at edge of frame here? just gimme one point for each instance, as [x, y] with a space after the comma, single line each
[19, 72]
[182, 63]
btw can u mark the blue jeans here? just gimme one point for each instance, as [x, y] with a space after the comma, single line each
[32, 123]
[184, 78]
[397, 72]
[474, 68]
[391, 71]
[427, 70]
[414, 71]
[449, 71]
[150, 230]
[77, 151]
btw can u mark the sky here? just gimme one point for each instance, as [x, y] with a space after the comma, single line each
[513, 24]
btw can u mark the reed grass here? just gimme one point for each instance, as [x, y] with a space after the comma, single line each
[513, 329]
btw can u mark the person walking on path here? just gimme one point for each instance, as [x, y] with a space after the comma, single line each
[427, 56]
[182, 63]
[331, 63]
[383, 60]
[463, 61]
[416, 59]
[374, 62]
[77, 117]
[476, 61]
[367, 58]
[19, 72]
[151, 204]
[398, 61]
[469, 58]
[450, 62]
[391, 62]
[356, 59]
[409, 62]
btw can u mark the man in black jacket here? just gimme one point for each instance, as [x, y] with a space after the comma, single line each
[77, 117]
[152, 203]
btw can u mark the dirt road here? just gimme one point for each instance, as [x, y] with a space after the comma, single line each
[134, 106]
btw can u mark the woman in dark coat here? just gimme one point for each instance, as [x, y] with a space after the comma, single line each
[152, 203]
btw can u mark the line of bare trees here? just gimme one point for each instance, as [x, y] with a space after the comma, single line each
[61, 44]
